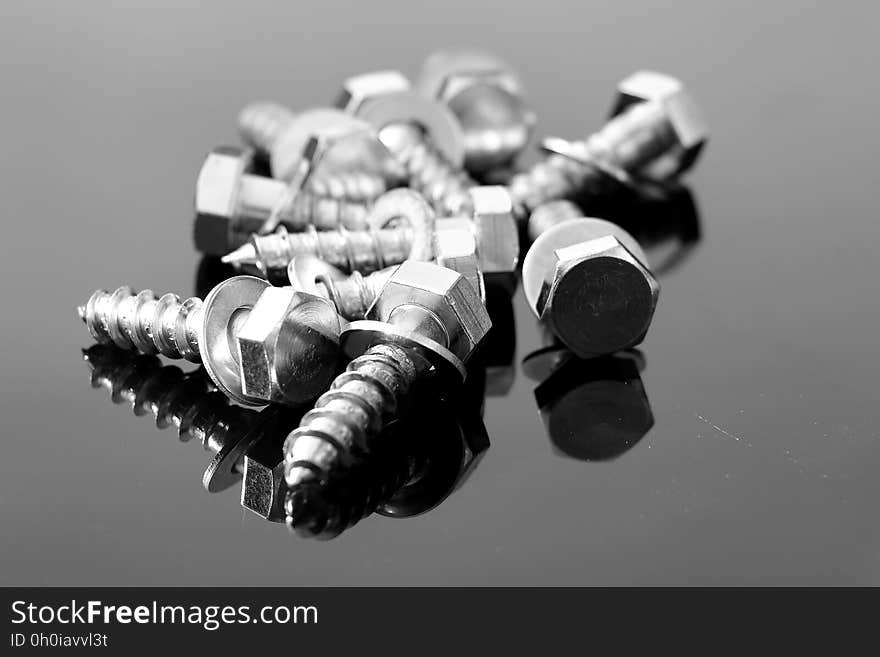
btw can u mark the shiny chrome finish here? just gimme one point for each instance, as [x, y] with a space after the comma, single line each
[584, 278]
[425, 323]
[207, 332]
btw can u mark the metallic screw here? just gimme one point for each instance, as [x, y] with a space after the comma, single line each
[358, 250]
[231, 202]
[426, 321]
[655, 134]
[186, 401]
[213, 331]
[422, 135]
[487, 242]
[486, 96]
[454, 247]
[363, 250]
[586, 280]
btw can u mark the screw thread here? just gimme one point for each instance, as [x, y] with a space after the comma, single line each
[625, 143]
[549, 214]
[360, 186]
[354, 294]
[554, 177]
[356, 250]
[633, 138]
[187, 401]
[444, 185]
[144, 323]
[313, 509]
[261, 124]
[324, 212]
[347, 420]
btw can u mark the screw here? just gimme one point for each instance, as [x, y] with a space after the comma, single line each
[585, 279]
[187, 401]
[421, 134]
[231, 203]
[357, 250]
[494, 237]
[425, 322]
[294, 336]
[486, 96]
[353, 294]
[655, 134]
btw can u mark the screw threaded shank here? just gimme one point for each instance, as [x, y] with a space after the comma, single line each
[354, 294]
[142, 322]
[324, 212]
[359, 250]
[361, 186]
[632, 139]
[260, 124]
[347, 420]
[309, 511]
[554, 177]
[442, 184]
[550, 214]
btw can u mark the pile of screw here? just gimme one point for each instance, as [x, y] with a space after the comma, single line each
[365, 232]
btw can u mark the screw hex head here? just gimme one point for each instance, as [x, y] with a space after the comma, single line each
[682, 112]
[216, 200]
[600, 299]
[288, 346]
[486, 96]
[495, 229]
[585, 279]
[428, 308]
[442, 292]
[456, 248]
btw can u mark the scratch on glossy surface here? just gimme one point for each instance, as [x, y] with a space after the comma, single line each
[722, 431]
[791, 458]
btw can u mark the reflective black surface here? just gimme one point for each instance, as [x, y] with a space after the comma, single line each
[760, 370]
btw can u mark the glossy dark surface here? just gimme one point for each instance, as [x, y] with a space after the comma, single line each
[762, 462]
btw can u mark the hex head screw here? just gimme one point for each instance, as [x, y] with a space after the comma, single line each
[425, 322]
[209, 332]
[656, 133]
[586, 280]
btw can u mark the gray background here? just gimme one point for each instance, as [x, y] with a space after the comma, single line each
[762, 363]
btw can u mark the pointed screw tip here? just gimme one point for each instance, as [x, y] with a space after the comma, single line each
[243, 255]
